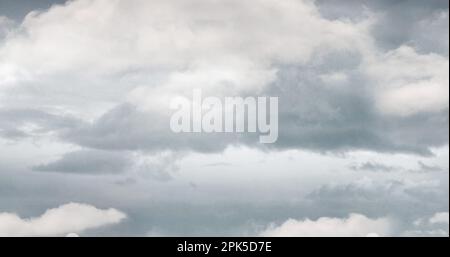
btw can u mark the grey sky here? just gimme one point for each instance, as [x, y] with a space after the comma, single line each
[363, 117]
[18, 9]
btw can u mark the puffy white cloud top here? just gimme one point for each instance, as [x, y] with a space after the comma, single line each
[67, 218]
[356, 225]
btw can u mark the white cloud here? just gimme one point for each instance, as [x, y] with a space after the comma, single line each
[356, 225]
[171, 33]
[233, 45]
[72, 235]
[68, 218]
[440, 217]
[408, 83]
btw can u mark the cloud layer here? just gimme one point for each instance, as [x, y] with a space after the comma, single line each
[68, 218]
[363, 89]
[339, 91]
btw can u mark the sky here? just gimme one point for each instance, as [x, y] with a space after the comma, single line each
[85, 143]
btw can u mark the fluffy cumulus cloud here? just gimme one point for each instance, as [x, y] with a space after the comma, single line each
[68, 218]
[174, 34]
[356, 225]
[363, 89]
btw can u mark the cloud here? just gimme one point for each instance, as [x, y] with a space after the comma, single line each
[373, 166]
[382, 196]
[338, 90]
[159, 166]
[440, 217]
[16, 124]
[397, 26]
[410, 83]
[5, 26]
[89, 162]
[377, 167]
[431, 226]
[68, 218]
[421, 24]
[356, 225]
[429, 168]
[84, 89]
[128, 128]
[431, 34]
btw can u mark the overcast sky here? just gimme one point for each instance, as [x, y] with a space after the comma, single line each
[85, 143]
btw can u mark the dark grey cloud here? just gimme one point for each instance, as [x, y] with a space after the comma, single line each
[348, 8]
[324, 118]
[429, 168]
[392, 198]
[380, 198]
[402, 201]
[21, 123]
[100, 162]
[12, 134]
[373, 166]
[89, 162]
[127, 128]
[401, 24]
[415, 22]
[380, 167]
[312, 115]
